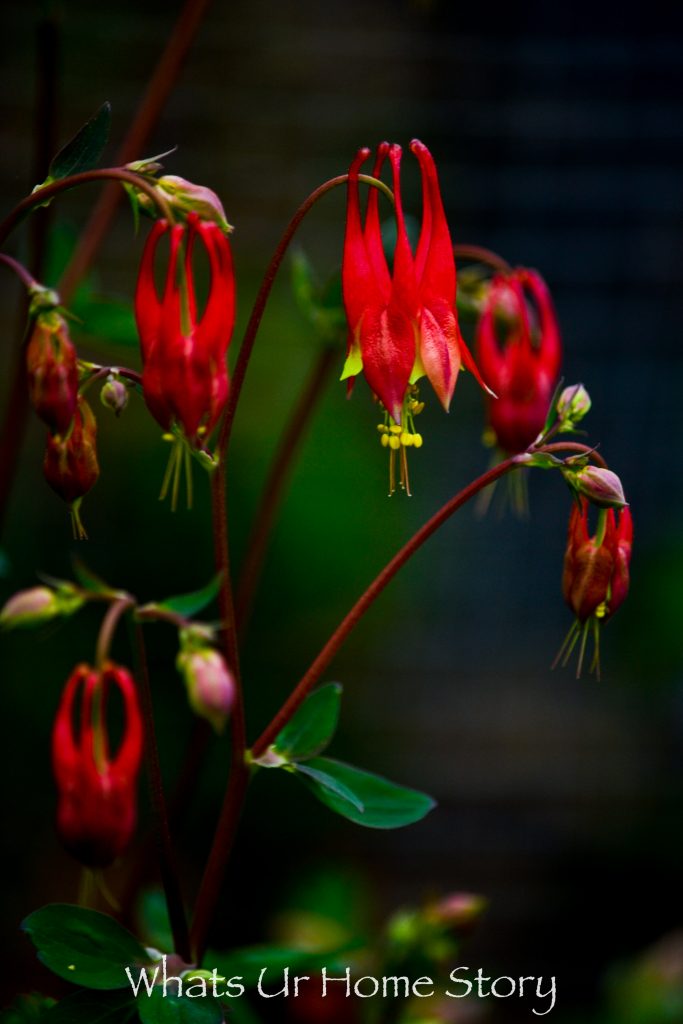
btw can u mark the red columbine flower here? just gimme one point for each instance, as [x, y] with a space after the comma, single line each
[96, 812]
[70, 464]
[52, 369]
[519, 351]
[402, 325]
[185, 376]
[595, 579]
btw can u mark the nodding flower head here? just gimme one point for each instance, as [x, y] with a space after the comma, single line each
[402, 323]
[97, 792]
[595, 579]
[519, 351]
[185, 376]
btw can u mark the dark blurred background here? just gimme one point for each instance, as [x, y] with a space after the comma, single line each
[558, 134]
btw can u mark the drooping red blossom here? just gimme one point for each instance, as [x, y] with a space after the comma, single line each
[70, 464]
[402, 324]
[595, 577]
[97, 793]
[185, 375]
[520, 359]
[52, 370]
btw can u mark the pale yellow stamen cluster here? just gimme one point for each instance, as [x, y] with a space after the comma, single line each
[398, 438]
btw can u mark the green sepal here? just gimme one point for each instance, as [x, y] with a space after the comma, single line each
[158, 1008]
[539, 460]
[84, 946]
[312, 726]
[91, 582]
[376, 803]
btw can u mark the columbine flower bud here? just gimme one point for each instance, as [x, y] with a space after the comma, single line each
[97, 805]
[114, 394]
[602, 487]
[40, 604]
[70, 465]
[209, 682]
[572, 405]
[184, 197]
[455, 910]
[52, 371]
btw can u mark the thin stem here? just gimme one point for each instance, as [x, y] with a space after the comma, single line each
[264, 293]
[476, 253]
[19, 269]
[276, 483]
[146, 118]
[47, 192]
[573, 446]
[167, 860]
[108, 628]
[351, 620]
[226, 828]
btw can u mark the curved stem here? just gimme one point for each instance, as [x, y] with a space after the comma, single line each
[477, 254]
[573, 446]
[264, 293]
[47, 192]
[167, 860]
[19, 269]
[108, 628]
[276, 483]
[351, 620]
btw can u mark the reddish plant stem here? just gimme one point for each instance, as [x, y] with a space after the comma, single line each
[348, 624]
[276, 483]
[264, 292]
[73, 181]
[166, 854]
[574, 446]
[164, 78]
[20, 270]
[108, 628]
[214, 872]
[478, 254]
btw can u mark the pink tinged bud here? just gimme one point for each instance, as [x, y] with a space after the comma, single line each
[29, 607]
[97, 791]
[52, 370]
[572, 405]
[185, 197]
[602, 487]
[114, 395]
[210, 684]
[456, 910]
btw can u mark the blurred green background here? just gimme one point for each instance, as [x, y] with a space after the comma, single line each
[559, 141]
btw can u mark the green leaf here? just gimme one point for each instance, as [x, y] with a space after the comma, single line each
[188, 605]
[89, 580]
[312, 727]
[384, 804]
[173, 1009]
[87, 1007]
[28, 1009]
[153, 921]
[322, 783]
[83, 151]
[83, 946]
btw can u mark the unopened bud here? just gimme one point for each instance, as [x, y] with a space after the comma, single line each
[572, 406]
[29, 608]
[52, 369]
[114, 394]
[602, 487]
[209, 682]
[70, 464]
[456, 910]
[184, 197]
